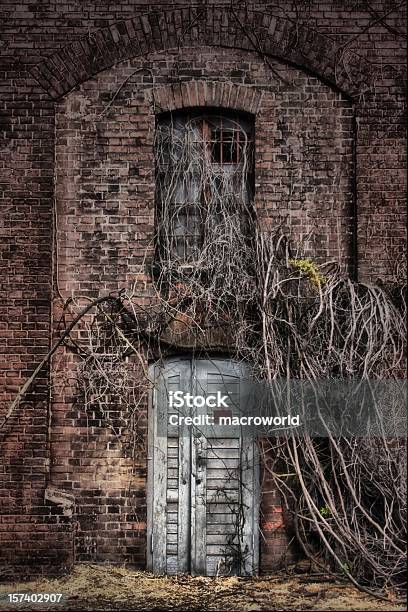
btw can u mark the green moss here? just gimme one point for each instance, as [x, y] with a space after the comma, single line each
[325, 512]
[308, 267]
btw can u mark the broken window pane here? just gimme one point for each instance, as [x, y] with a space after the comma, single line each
[204, 165]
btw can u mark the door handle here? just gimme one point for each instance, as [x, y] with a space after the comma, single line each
[201, 461]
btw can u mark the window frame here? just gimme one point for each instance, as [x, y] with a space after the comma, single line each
[208, 120]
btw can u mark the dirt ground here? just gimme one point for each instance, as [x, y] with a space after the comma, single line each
[104, 587]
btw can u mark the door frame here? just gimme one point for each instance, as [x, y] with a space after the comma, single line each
[151, 564]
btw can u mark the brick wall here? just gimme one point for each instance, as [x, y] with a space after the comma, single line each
[80, 86]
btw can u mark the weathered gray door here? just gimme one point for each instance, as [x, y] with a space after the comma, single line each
[202, 479]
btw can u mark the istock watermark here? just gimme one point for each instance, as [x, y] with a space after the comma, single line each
[202, 420]
[321, 408]
[178, 399]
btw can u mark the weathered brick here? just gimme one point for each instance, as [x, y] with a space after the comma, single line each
[98, 156]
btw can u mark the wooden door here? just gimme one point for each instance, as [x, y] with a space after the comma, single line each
[202, 479]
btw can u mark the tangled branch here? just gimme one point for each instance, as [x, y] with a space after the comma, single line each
[216, 268]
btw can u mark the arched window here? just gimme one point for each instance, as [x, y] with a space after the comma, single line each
[204, 180]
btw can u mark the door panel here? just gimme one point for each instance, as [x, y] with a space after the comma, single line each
[203, 496]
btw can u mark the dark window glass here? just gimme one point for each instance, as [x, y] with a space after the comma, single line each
[204, 163]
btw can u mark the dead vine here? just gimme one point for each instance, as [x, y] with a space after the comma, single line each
[217, 267]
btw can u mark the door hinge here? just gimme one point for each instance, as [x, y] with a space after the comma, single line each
[151, 542]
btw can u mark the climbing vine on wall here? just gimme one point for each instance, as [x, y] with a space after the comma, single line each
[284, 315]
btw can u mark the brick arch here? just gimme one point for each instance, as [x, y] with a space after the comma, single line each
[194, 27]
[205, 93]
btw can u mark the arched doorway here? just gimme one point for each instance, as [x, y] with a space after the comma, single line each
[203, 501]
